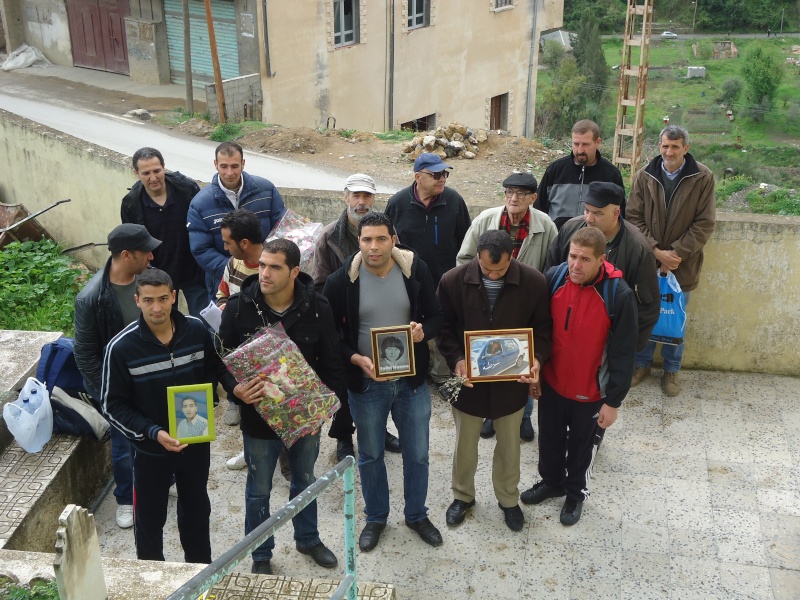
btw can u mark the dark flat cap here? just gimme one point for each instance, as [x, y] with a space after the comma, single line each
[603, 193]
[525, 181]
[131, 237]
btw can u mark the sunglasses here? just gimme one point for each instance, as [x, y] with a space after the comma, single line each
[437, 176]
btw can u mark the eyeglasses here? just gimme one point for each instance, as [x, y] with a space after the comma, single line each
[437, 176]
[517, 193]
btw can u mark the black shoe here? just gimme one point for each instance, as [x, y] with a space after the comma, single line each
[427, 531]
[391, 443]
[344, 447]
[261, 567]
[513, 517]
[541, 492]
[487, 430]
[526, 433]
[321, 555]
[571, 512]
[370, 535]
[457, 511]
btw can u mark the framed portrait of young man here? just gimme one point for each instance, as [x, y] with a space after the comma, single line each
[393, 351]
[191, 413]
[498, 355]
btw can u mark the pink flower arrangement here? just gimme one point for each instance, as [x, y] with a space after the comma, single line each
[296, 402]
[302, 231]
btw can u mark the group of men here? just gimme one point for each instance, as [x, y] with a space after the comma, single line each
[569, 258]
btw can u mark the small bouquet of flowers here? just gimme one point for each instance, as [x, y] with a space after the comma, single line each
[296, 402]
[302, 231]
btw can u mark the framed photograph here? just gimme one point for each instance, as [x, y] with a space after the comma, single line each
[498, 355]
[191, 413]
[393, 351]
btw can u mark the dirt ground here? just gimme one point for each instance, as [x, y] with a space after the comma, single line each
[476, 179]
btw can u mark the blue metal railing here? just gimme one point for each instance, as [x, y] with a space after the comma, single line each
[218, 569]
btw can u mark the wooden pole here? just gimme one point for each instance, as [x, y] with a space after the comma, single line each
[187, 58]
[212, 40]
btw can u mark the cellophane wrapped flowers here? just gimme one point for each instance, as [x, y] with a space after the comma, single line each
[295, 402]
[302, 231]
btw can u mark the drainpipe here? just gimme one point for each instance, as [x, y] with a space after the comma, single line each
[531, 66]
[391, 65]
[266, 39]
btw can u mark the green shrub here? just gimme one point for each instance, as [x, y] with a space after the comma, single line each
[37, 590]
[226, 132]
[778, 202]
[396, 136]
[38, 285]
[725, 189]
[347, 133]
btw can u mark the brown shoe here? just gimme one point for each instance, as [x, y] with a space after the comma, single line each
[639, 375]
[670, 384]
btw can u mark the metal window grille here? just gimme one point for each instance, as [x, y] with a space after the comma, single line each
[418, 13]
[345, 22]
[502, 3]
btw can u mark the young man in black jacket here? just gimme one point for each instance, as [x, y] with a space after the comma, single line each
[382, 286]
[160, 201]
[162, 348]
[281, 293]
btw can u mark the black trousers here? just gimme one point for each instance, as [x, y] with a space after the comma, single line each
[567, 431]
[152, 477]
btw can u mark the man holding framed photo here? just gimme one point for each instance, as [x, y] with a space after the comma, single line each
[491, 292]
[162, 348]
[382, 285]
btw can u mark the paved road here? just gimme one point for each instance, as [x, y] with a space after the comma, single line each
[189, 155]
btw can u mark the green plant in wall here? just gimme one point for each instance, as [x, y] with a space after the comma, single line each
[38, 285]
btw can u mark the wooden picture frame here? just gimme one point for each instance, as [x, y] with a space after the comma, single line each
[498, 354]
[179, 426]
[399, 344]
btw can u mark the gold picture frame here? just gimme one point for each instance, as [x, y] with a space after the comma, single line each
[393, 351]
[200, 427]
[498, 354]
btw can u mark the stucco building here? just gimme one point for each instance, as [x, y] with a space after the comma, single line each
[383, 64]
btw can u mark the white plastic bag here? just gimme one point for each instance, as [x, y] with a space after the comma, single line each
[30, 417]
[25, 56]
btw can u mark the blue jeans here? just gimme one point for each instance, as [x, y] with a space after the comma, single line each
[261, 457]
[411, 412]
[122, 467]
[672, 355]
[526, 414]
[196, 297]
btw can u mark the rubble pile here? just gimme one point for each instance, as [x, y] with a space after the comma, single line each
[454, 140]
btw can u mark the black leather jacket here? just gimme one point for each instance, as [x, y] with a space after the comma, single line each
[98, 318]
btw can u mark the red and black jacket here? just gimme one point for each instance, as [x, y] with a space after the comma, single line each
[594, 336]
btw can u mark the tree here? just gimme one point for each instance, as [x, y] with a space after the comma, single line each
[762, 71]
[563, 102]
[731, 90]
[591, 63]
[552, 55]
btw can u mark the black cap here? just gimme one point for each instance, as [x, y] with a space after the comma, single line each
[521, 180]
[603, 193]
[131, 237]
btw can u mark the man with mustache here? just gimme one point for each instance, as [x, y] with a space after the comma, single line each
[564, 184]
[337, 241]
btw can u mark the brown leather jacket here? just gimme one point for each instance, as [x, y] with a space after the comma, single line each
[688, 224]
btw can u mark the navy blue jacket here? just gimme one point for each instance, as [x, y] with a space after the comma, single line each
[208, 207]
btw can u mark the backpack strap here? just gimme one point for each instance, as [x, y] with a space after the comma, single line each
[609, 295]
[558, 278]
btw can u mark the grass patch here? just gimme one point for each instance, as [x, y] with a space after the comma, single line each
[176, 116]
[347, 133]
[725, 189]
[228, 132]
[778, 202]
[38, 590]
[396, 135]
[38, 286]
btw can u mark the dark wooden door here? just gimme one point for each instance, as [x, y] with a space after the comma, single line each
[97, 28]
[495, 113]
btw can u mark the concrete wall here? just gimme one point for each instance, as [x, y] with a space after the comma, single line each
[148, 53]
[744, 316]
[468, 54]
[47, 28]
[242, 99]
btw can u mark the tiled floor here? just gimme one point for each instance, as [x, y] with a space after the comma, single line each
[692, 497]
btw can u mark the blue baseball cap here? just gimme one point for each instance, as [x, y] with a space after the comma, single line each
[430, 161]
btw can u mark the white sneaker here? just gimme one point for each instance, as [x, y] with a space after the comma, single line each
[232, 415]
[125, 516]
[173, 490]
[237, 462]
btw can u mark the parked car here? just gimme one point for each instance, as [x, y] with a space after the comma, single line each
[669, 35]
[494, 355]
